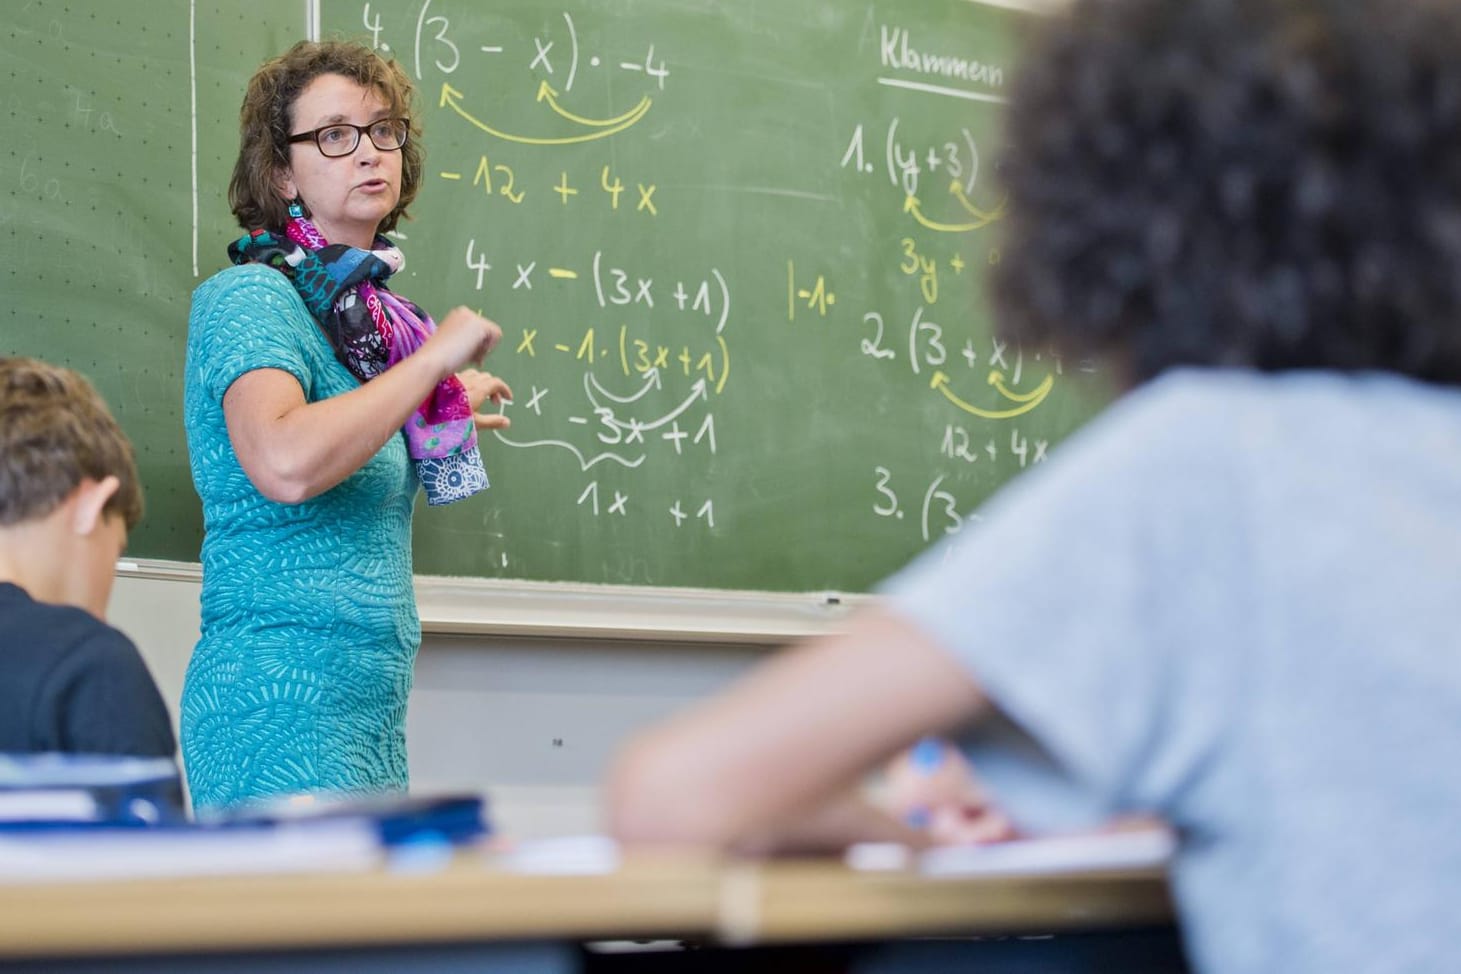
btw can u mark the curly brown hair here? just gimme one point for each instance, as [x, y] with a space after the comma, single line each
[266, 122]
[1271, 184]
[55, 431]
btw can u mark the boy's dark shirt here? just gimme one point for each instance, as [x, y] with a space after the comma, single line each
[70, 682]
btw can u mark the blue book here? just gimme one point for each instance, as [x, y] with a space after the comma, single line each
[452, 818]
[70, 790]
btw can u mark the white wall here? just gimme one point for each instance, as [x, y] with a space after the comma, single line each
[162, 619]
[534, 722]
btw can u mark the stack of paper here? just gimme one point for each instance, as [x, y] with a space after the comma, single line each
[98, 853]
[39, 790]
[1129, 849]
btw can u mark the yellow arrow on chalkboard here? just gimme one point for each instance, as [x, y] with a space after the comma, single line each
[450, 98]
[548, 93]
[996, 379]
[1027, 400]
[911, 205]
[988, 216]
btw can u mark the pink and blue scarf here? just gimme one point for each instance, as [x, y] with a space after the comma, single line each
[371, 328]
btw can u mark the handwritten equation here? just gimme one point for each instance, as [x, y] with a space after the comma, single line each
[705, 255]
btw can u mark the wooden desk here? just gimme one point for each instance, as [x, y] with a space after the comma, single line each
[474, 909]
[789, 901]
[467, 903]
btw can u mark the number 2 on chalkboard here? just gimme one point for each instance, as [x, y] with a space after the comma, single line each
[874, 346]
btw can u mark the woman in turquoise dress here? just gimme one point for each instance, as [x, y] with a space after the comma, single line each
[317, 401]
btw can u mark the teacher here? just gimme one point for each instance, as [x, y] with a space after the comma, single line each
[317, 401]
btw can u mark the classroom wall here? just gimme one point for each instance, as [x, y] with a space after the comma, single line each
[530, 721]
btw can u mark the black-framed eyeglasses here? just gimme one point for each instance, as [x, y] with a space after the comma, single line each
[341, 139]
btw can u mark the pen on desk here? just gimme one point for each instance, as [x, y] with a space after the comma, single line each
[927, 754]
[924, 758]
[935, 791]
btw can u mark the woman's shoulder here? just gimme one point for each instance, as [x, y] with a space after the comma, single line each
[246, 291]
[257, 281]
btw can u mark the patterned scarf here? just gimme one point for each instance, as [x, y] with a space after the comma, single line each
[371, 328]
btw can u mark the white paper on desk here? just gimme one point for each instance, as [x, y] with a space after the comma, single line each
[58, 855]
[1130, 849]
[564, 855]
[48, 804]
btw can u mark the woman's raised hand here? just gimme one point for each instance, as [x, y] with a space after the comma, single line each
[463, 338]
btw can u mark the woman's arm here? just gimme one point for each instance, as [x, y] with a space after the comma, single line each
[293, 450]
[781, 747]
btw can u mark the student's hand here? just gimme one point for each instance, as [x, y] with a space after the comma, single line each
[485, 387]
[462, 338]
[931, 787]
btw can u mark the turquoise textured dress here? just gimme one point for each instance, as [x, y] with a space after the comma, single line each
[309, 628]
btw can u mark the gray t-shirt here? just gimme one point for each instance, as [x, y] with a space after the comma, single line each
[1235, 600]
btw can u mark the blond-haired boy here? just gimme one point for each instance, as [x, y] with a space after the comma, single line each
[68, 496]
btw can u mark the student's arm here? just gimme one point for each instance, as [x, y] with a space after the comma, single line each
[786, 744]
[293, 450]
[830, 827]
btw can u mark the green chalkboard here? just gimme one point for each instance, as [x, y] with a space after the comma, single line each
[724, 317]
[735, 248]
[121, 126]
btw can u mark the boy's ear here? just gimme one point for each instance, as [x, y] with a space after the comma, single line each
[91, 499]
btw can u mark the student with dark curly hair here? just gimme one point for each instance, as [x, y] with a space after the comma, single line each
[317, 402]
[1231, 600]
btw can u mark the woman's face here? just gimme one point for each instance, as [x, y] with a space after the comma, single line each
[346, 196]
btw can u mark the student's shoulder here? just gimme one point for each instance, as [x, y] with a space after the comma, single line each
[1186, 416]
[1180, 397]
[42, 636]
[104, 692]
[1244, 410]
[1215, 394]
[68, 630]
[89, 652]
[1177, 412]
